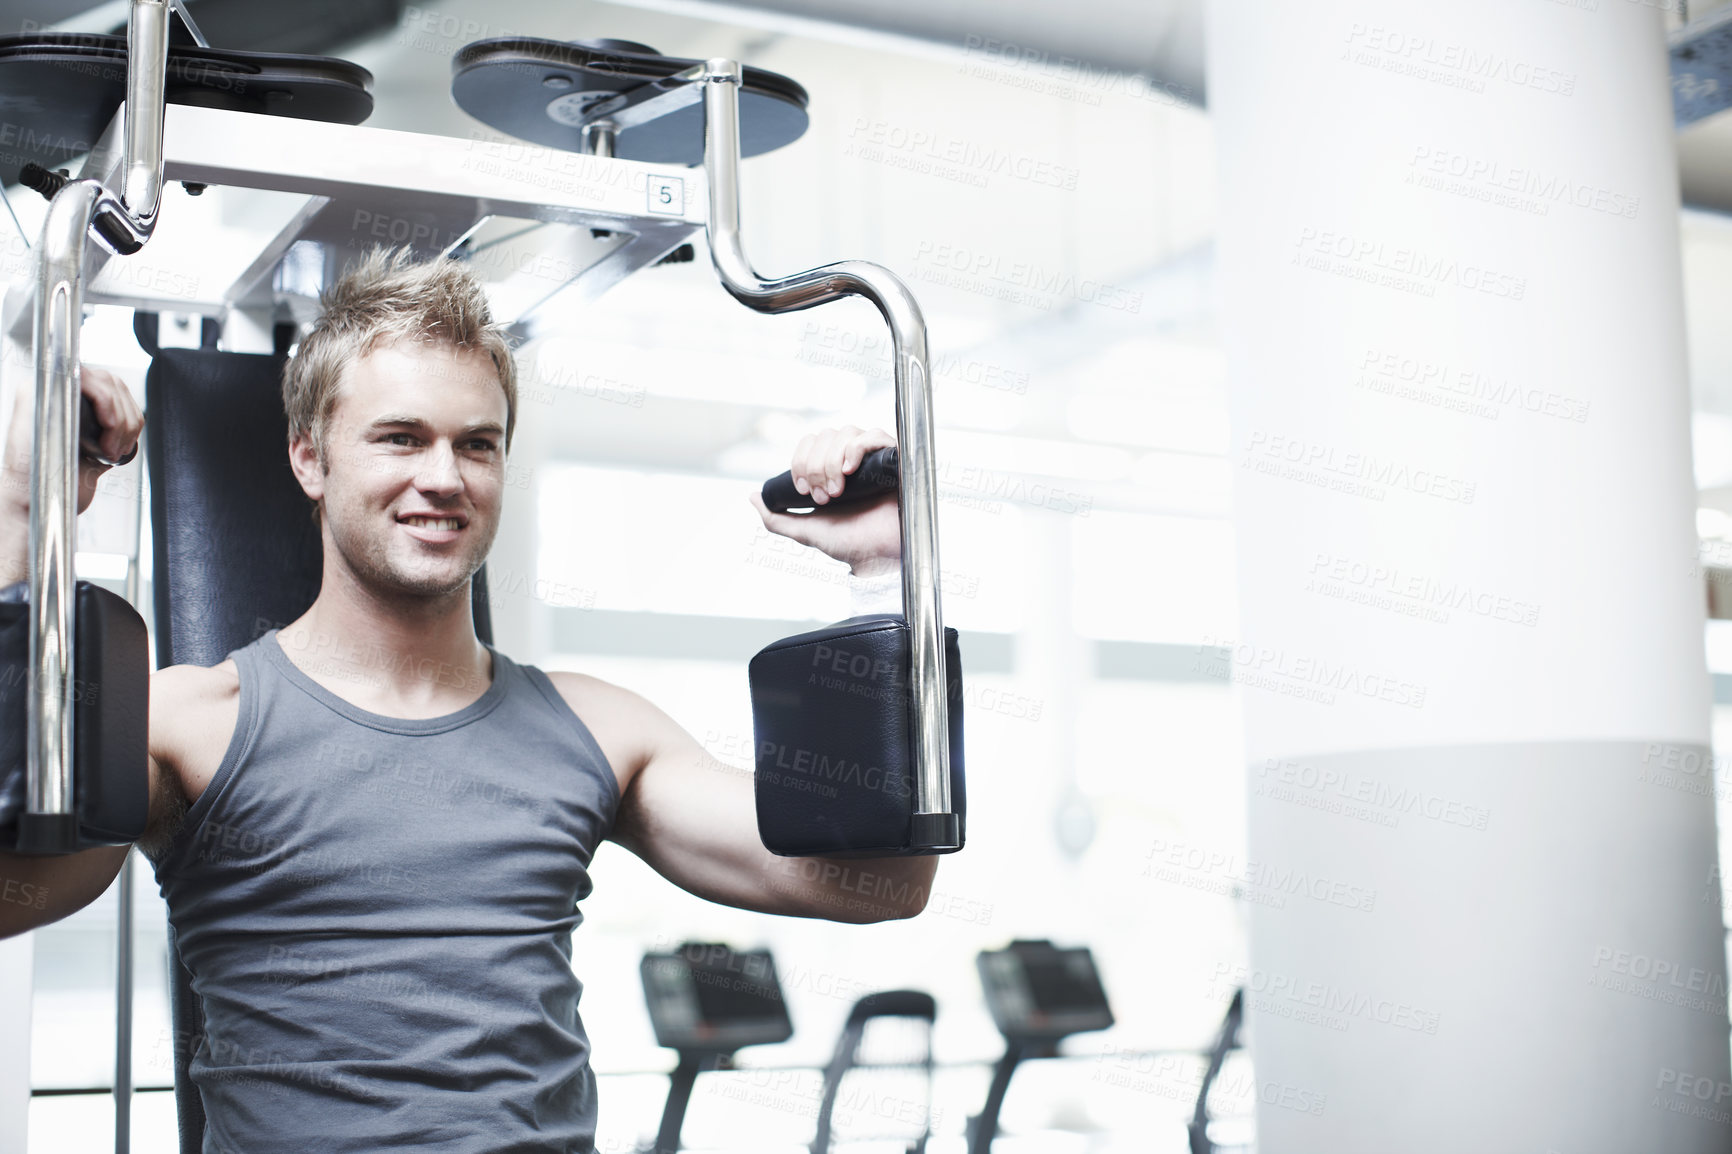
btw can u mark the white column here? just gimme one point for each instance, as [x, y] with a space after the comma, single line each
[1471, 663]
[1052, 662]
[17, 961]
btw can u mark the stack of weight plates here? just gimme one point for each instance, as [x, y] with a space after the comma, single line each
[58, 91]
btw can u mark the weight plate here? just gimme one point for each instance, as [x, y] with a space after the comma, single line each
[58, 92]
[542, 90]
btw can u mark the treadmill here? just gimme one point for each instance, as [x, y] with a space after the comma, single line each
[1038, 993]
[706, 1002]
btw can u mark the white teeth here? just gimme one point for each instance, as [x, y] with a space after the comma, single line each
[433, 522]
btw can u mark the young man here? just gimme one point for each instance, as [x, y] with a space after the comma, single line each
[372, 848]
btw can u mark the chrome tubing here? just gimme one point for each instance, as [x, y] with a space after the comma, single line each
[146, 83]
[122, 224]
[917, 472]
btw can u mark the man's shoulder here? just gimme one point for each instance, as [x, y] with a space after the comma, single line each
[193, 714]
[189, 686]
[626, 725]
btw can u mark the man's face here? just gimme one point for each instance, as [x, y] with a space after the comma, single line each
[414, 468]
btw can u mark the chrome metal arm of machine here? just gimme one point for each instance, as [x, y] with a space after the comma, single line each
[916, 468]
[122, 224]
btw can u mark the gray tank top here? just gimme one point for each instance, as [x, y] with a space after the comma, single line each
[377, 915]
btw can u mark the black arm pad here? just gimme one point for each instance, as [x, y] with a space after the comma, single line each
[111, 712]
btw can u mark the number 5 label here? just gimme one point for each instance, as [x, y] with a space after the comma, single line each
[667, 195]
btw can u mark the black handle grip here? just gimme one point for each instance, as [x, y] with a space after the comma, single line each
[90, 432]
[876, 475]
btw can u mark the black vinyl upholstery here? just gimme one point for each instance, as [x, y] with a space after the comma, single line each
[830, 707]
[236, 553]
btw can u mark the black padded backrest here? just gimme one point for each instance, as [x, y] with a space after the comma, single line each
[236, 553]
[235, 550]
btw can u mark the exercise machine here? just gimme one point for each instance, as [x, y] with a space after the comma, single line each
[1226, 1041]
[198, 118]
[915, 1007]
[897, 726]
[706, 1002]
[449, 188]
[1038, 994]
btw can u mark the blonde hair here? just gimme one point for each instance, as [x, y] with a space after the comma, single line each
[388, 297]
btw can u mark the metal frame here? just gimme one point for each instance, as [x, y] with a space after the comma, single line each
[415, 177]
[935, 826]
[122, 224]
[454, 184]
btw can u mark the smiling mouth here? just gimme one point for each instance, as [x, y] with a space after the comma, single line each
[432, 522]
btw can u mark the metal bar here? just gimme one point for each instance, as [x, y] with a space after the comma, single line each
[123, 925]
[445, 253]
[81, 208]
[53, 513]
[918, 499]
[186, 18]
[598, 138]
[123, 1013]
[984, 1126]
[680, 1085]
[650, 100]
[272, 254]
[146, 82]
[642, 250]
[7, 201]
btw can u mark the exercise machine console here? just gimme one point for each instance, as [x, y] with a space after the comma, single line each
[707, 1001]
[1038, 993]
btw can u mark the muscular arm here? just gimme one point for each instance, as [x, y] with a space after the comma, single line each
[37, 891]
[193, 713]
[694, 820]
